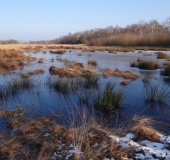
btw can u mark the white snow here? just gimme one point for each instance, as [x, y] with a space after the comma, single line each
[143, 150]
[95, 145]
[46, 135]
[148, 149]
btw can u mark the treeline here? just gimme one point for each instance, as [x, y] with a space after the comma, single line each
[11, 41]
[152, 33]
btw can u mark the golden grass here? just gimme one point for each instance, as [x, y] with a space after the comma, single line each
[38, 47]
[117, 72]
[144, 129]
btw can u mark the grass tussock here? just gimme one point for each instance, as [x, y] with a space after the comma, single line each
[146, 65]
[66, 85]
[110, 97]
[162, 55]
[124, 83]
[61, 85]
[41, 60]
[91, 81]
[144, 128]
[92, 63]
[119, 73]
[74, 70]
[30, 73]
[14, 85]
[156, 93]
[140, 60]
[12, 59]
[61, 51]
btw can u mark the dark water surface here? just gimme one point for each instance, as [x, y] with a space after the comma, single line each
[44, 101]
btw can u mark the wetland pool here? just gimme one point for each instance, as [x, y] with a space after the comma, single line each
[41, 100]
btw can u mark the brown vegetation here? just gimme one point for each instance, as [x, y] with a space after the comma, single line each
[152, 33]
[12, 59]
[41, 60]
[125, 74]
[75, 70]
[41, 138]
[144, 129]
[162, 55]
[30, 73]
[124, 83]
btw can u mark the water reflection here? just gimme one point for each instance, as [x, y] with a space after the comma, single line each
[41, 100]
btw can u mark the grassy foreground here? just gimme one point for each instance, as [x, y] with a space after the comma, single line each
[44, 138]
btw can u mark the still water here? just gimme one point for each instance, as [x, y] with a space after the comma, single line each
[41, 100]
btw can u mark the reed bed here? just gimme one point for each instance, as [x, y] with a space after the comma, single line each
[14, 85]
[67, 85]
[61, 85]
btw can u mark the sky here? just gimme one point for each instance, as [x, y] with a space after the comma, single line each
[26, 20]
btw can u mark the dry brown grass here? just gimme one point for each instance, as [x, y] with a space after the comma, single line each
[40, 138]
[125, 74]
[7, 113]
[144, 129]
[40, 47]
[124, 83]
[41, 60]
[74, 70]
[12, 59]
[30, 73]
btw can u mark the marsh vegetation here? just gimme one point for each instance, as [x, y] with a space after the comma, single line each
[79, 104]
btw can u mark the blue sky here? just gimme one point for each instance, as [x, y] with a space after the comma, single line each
[41, 19]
